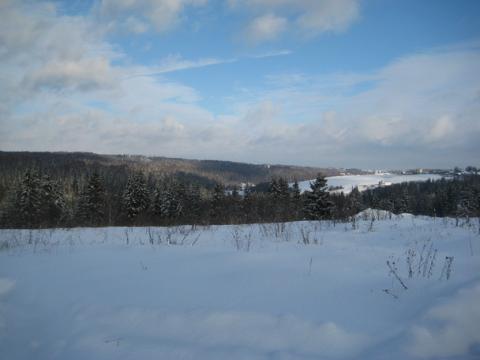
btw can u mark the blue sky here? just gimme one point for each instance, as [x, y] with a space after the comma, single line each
[345, 83]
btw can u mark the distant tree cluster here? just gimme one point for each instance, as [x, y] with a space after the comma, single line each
[456, 197]
[119, 197]
[36, 201]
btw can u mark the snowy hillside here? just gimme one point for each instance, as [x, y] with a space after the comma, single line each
[398, 288]
[363, 182]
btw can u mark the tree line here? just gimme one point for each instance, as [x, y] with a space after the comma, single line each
[457, 197]
[134, 198]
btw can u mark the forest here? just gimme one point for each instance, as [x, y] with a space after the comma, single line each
[119, 196]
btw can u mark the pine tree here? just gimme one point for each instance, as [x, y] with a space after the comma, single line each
[279, 188]
[178, 200]
[218, 202]
[247, 203]
[318, 204]
[466, 206]
[91, 206]
[156, 208]
[279, 196]
[194, 202]
[235, 194]
[401, 202]
[52, 200]
[284, 191]
[296, 191]
[167, 202]
[296, 200]
[136, 197]
[28, 201]
[354, 201]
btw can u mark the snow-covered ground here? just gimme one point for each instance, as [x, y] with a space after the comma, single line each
[363, 182]
[243, 292]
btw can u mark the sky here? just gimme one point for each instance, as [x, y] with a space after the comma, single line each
[342, 83]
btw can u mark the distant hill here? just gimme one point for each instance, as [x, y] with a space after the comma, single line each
[204, 171]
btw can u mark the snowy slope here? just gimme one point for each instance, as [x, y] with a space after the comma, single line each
[348, 182]
[243, 292]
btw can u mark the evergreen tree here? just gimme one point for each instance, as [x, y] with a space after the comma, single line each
[280, 196]
[28, 201]
[168, 202]
[218, 202]
[91, 206]
[284, 191]
[387, 204]
[156, 208]
[52, 200]
[279, 189]
[401, 202]
[247, 203]
[296, 200]
[318, 204]
[180, 199]
[136, 197]
[235, 194]
[354, 201]
[194, 202]
[466, 206]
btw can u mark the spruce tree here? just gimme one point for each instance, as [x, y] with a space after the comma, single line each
[354, 201]
[156, 208]
[28, 205]
[52, 200]
[296, 200]
[91, 206]
[136, 198]
[318, 204]
[296, 191]
[167, 203]
[194, 202]
[218, 202]
[466, 206]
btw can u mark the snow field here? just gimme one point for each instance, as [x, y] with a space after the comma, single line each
[349, 182]
[303, 290]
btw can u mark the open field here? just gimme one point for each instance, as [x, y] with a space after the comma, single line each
[399, 288]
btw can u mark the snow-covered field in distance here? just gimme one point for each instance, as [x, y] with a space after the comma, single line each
[349, 182]
[244, 292]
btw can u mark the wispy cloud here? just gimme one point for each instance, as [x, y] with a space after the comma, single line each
[268, 54]
[174, 63]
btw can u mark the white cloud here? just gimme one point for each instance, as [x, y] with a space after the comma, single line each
[138, 15]
[441, 129]
[265, 28]
[451, 329]
[329, 15]
[419, 110]
[136, 26]
[306, 17]
[63, 87]
[83, 74]
[41, 49]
